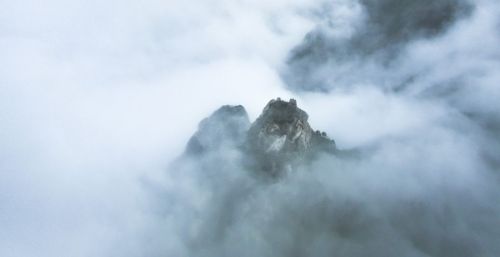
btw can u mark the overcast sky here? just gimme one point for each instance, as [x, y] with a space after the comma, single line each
[98, 98]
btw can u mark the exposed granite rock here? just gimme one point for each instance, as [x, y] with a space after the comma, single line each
[282, 138]
[279, 140]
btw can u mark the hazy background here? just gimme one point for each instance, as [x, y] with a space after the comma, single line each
[98, 98]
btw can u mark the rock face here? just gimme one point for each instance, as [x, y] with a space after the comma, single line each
[282, 138]
[279, 140]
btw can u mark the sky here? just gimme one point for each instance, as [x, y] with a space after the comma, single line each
[99, 98]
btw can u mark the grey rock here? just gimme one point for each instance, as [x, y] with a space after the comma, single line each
[281, 138]
[277, 142]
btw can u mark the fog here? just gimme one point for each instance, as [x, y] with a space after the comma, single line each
[99, 99]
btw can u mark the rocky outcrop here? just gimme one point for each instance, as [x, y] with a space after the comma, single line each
[280, 139]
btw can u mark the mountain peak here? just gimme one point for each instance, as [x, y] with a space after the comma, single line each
[280, 139]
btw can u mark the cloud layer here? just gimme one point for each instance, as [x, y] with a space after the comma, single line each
[98, 100]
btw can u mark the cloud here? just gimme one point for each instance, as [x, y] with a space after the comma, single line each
[357, 43]
[96, 95]
[98, 100]
[422, 193]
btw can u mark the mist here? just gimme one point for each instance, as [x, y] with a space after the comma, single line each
[99, 100]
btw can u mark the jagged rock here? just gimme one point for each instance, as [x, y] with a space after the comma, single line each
[226, 127]
[280, 139]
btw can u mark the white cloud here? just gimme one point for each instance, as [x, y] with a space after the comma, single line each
[97, 98]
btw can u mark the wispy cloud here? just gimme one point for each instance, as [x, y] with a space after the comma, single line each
[98, 100]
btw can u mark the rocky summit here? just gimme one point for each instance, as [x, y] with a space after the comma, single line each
[278, 141]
